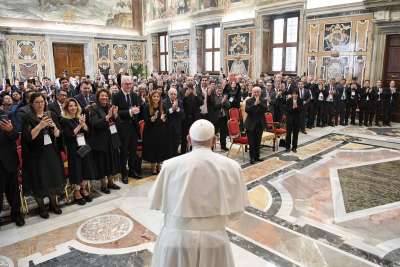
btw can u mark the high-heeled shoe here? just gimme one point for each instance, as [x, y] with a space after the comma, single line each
[43, 213]
[86, 196]
[54, 207]
[80, 201]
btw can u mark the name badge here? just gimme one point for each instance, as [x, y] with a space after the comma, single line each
[80, 139]
[231, 99]
[47, 140]
[321, 96]
[353, 93]
[367, 98]
[113, 129]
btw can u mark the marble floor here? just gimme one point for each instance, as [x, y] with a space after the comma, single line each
[336, 203]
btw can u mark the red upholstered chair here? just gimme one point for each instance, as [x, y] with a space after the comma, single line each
[273, 127]
[234, 113]
[24, 203]
[236, 137]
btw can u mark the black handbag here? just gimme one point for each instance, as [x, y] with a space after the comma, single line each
[83, 151]
[282, 142]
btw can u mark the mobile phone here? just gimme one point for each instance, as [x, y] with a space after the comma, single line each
[4, 117]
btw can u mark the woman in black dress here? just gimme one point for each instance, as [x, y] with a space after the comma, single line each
[104, 140]
[293, 121]
[155, 139]
[43, 168]
[80, 167]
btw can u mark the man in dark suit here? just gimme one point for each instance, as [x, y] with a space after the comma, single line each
[57, 105]
[50, 90]
[330, 92]
[389, 103]
[305, 97]
[85, 98]
[342, 96]
[223, 106]
[8, 168]
[175, 114]
[290, 86]
[64, 85]
[256, 107]
[378, 89]
[127, 126]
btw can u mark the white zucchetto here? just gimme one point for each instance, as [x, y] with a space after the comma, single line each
[201, 130]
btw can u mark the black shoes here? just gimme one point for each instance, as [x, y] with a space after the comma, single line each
[224, 148]
[55, 209]
[136, 176]
[80, 201]
[125, 180]
[304, 132]
[105, 190]
[18, 219]
[294, 150]
[43, 213]
[287, 150]
[88, 198]
[258, 159]
[252, 161]
[114, 186]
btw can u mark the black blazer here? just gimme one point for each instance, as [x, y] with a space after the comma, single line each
[34, 147]
[55, 108]
[82, 101]
[100, 135]
[255, 114]
[294, 115]
[8, 149]
[174, 119]
[126, 124]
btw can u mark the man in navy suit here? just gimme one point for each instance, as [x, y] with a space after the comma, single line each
[85, 98]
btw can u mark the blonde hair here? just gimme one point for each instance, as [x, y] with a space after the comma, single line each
[66, 113]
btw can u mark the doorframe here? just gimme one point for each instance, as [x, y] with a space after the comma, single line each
[88, 52]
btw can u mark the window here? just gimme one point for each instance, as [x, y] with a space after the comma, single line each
[284, 44]
[212, 43]
[163, 38]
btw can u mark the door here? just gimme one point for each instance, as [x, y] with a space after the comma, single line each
[68, 59]
[392, 67]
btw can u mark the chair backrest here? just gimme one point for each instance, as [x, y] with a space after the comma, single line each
[141, 128]
[234, 114]
[233, 128]
[269, 120]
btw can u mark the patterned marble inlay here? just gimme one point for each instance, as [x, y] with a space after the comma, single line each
[355, 146]
[260, 198]
[314, 148]
[370, 185]
[78, 258]
[105, 229]
[6, 262]
[264, 168]
[392, 132]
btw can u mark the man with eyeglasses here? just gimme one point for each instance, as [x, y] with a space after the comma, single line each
[127, 126]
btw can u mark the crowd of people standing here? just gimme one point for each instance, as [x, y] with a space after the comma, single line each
[100, 125]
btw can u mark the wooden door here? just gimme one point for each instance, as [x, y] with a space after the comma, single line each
[69, 59]
[392, 67]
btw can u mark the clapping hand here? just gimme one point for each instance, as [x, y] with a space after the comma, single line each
[135, 110]
[163, 117]
[175, 105]
[82, 120]
[257, 100]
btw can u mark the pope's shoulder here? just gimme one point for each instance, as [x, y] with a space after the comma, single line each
[205, 155]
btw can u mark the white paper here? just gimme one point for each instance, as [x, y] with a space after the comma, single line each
[113, 129]
[47, 140]
[80, 139]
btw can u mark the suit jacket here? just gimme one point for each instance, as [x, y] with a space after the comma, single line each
[82, 101]
[125, 123]
[55, 108]
[174, 118]
[8, 151]
[291, 87]
[255, 114]
[294, 115]
[305, 96]
[100, 135]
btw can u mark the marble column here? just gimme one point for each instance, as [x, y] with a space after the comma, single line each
[199, 50]
[258, 53]
[193, 50]
[302, 39]
[3, 66]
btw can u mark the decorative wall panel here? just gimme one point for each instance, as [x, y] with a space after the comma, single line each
[180, 54]
[27, 56]
[339, 47]
[114, 55]
[3, 69]
[239, 51]
[313, 34]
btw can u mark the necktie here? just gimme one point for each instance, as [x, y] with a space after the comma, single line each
[128, 100]
[87, 100]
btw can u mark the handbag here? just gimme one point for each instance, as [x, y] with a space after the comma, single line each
[84, 150]
[282, 143]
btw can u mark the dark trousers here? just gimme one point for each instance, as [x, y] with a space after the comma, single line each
[129, 138]
[353, 111]
[222, 129]
[330, 112]
[9, 186]
[363, 115]
[387, 113]
[292, 129]
[343, 110]
[254, 137]
[321, 114]
[311, 114]
[370, 110]
[378, 112]
[185, 132]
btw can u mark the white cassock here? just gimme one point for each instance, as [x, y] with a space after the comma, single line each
[199, 193]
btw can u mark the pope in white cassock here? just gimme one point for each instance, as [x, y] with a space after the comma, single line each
[199, 193]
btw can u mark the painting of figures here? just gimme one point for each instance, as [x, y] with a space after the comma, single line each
[238, 66]
[337, 37]
[238, 44]
[112, 13]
